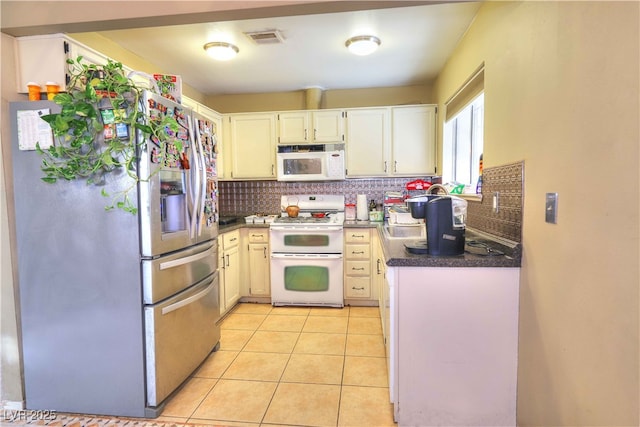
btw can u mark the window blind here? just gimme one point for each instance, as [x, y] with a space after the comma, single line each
[467, 93]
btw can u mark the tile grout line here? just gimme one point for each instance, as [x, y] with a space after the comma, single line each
[279, 381]
[283, 370]
[230, 363]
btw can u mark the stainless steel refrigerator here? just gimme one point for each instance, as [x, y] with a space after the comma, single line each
[116, 310]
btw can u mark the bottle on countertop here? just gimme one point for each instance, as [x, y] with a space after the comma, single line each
[479, 184]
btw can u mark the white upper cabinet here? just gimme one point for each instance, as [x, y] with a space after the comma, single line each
[311, 127]
[41, 59]
[391, 141]
[413, 140]
[368, 141]
[251, 147]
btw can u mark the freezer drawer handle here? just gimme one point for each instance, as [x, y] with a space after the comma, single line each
[187, 301]
[186, 260]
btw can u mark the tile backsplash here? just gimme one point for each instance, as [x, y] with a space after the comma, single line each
[242, 198]
[508, 182]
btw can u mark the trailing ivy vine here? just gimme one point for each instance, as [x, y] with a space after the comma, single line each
[96, 131]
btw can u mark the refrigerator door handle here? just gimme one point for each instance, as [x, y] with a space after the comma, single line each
[188, 259]
[203, 176]
[195, 188]
[175, 306]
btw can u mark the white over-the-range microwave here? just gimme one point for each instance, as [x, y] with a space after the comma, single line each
[310, 162]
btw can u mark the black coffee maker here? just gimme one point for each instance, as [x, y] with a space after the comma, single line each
[445, 221]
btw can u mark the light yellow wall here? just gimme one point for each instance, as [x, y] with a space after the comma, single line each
[347, 98]
[117, 53]
[562, 94]
[273, 101]
[10, 366]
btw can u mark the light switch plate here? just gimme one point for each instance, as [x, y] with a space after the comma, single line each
[551, 208]
[496, 202]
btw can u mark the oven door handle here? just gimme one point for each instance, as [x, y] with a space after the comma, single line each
[306, 256]
[306, 228]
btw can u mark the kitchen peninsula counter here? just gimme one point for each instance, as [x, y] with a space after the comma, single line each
[397, 256]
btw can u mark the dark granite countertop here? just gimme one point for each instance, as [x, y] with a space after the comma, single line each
[237, 225]
[397, 256]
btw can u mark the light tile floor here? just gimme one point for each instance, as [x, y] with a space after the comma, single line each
[290, 366]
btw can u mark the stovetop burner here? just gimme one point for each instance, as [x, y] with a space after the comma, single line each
[329, 210]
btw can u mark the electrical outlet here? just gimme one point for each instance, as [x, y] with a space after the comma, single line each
[551, 208]
[496, 202]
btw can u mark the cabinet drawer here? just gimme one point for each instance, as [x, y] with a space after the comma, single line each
[357, 252]
[230, 239]
[258, 236]
[356, 236]
[357, 268]
[357, 287]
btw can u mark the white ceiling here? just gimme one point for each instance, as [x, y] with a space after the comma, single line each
[416, 43]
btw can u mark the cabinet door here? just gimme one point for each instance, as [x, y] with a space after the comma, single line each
[414, 140]
[367, 142]
[328, 126]
[221, 278]
[216, 119]
[259, 275]
[253, 148]
[231, 276]
[293, 127]
[44, 58]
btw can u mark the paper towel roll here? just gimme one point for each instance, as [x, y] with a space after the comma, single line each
[362, 210]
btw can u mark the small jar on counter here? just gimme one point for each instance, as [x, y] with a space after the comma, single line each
[350, 211]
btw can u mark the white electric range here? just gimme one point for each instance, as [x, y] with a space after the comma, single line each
[307, 252]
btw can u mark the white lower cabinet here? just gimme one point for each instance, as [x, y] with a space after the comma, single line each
[454, 334]
[229, 268]
[259, 260]
[379, 279]
[357, 264]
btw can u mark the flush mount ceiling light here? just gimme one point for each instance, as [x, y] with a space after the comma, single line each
[221, 51]
[362, 45]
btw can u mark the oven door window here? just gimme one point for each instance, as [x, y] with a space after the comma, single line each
[306, 278]
[309, 240]
[308, 166]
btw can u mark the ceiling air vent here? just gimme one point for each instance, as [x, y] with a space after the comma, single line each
[266, 37]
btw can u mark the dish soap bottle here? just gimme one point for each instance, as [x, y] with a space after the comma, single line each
[479, 184]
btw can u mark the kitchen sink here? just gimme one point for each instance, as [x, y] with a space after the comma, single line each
[414, 232]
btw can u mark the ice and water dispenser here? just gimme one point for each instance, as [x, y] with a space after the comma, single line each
[445, 218]
[173, 201]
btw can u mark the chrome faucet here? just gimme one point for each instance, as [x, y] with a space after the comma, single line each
[434, 187]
